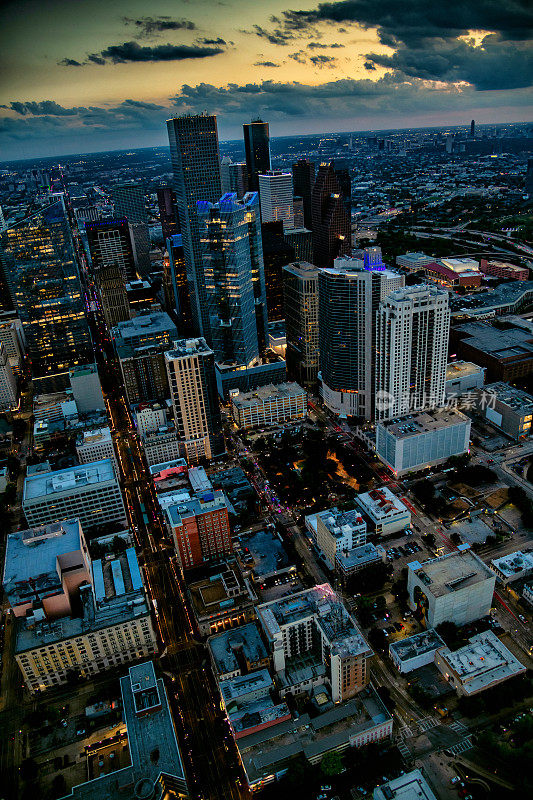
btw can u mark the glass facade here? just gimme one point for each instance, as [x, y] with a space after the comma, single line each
[44, 281]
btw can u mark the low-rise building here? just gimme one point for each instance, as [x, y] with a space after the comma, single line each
[506, 352]
[457, 586]
[508, 408]
[415, 651]
[413, 261]
[338, 531]
[223, 599]
[462, 377]
[149, 417]
[238, 651]
[479, 665]
[90, 493]
[200, 528]
[422, 440]
[170, 476]
[502, 269]
[348, 562]
[385, 511]
[269, 405]
[410, 786]
[249, 704]
[314, 640]
[161, 445]
[512, 566]
[96, 445]
[451, 272]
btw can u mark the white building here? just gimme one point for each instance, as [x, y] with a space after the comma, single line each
[161, 445]
[422, 440]
[413, 325]
[151, 416]
[457, 586]
[8, 382]
[86, 388]
[386, 511]
[413, 261]
[96, 445]
[411, 786]
[12, 338]
[339, 531]
[89, 492]
[269, 405]
[484, 662]
[276, 196]
[415, 651]
[462, 377]
[513, 566]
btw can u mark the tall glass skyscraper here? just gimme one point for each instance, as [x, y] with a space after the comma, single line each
[196, 166]
[257, 149]
[230, 232]
[40, 265]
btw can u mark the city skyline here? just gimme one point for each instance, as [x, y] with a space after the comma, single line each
[111, 81]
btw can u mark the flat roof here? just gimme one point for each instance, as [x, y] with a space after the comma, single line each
[211, 500]
[359, 556]
[246, 638]
[452, 572]
[234, 688]
[96, 436]
[183, 348]
[381, 503]
[462, 369]
[265, 394]
[412, 786]
[484, 660]
[424, 422]
[157, 321]
[417, 645]
[340, 522]
[513, 563]
[510, 396]
[69, 479]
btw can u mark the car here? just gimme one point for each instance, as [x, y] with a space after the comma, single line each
[522, 618]
[325, 788]
[455, 780]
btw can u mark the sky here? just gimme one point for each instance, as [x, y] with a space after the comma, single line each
[88, 75]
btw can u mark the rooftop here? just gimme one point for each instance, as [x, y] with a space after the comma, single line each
[339, 523]
[503, 296]
[222, 589]
[212, 500]
[226, 646]
[411, 786]
[68, 480]
[187, 347]
[233, 689]
[83, 370]
[461, 369]
[452, 572]
[513, 398]
[513, 563]
[199, 480]
[381, 503]
[144, 324]
[264, 394]
[359, 556]
[95, 436]
[483, 661]
[424, 422]
[416, 645]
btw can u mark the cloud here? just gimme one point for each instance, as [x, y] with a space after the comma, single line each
[275, 36]
[300, 56]
[129, 52]
[36, 108]
[323, 61]
[266, 64]
[320, 46]
[217, 41]
[94, 58]
[150, 26]
[70, 62]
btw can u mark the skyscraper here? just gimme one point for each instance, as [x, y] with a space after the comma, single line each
[276, 194]
[303, 176]
[234, 177]
[234, 277]
[528, 184]
[349, 296]
[277, 252]
[331, 224]
[176, 284]
[113, 296]
[44, 282]
[473, 128]
[196, 165]
[413, 326]
[257, 149]
[8, 382]
[110, 245]
[129, 202]
[298, 205]
[300, 295]
[191, 375]
[166, 201]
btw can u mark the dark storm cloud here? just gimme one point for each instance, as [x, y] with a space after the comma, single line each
[150, 26]
[133, 51]
[320, 46]
[94, 58]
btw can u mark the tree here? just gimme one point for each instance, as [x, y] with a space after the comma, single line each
[29, 770]
[119, 545]
[377, 639]
[424, 491]
[331, 764]
[59, 786]
[430, 539]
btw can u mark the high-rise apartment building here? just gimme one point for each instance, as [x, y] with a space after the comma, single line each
[193, 390]
[413, 326]
[300, 294]
[144, 372]
[303, 177]
[129, 202]
[113, 295]
[257, 149]
[230, 234]
[331, 223]
[166, 202]
[196, 165]
[8, 382]
[40, 265]
[349, 297]
[110, 245]
[276, 194]
[177, 285]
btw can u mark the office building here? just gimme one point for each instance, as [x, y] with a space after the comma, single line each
[196, 165]
[410, 786]
[114, 628]
[415, 651]
[269, 405]
[303, 177]
[96, 445]
[223, 600]
[141, 296]
[457, 586]
[507, 408]
[177, 285]
[298, 208]
[89, 492]
[301, 241]
[40, 265]
[413, 326]
[348, 298]
[481, 664]
[129, 202]
[161, 445]
[386, 512]
[512, 566]
[234, 277]
[193, 390]
[249, 705]
[11, 337]
[145, 330]
[422, 440]
[502, 269]
[276, 194]
[110, 246]
[168, 215]
[8, 382]
[300, 296]
[314, 641]
[113, 295]
[238, 651]
[86, 388]
[257, 149]
[413, 262]
[234, 177]
[506, 353]
[277, 252]
[237, 377]
[463, 377]
[149, 417]
[200, 528]
[144, 372]
[331, 223]
[337, 532]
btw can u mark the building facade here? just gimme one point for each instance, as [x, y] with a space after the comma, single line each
[257, 150]
[269, 405]
[300, 296]
[276, 193]
[200, 528]
[96, 445]
[331, 226]
[110, 246]
[303, 177]
[8, 382]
